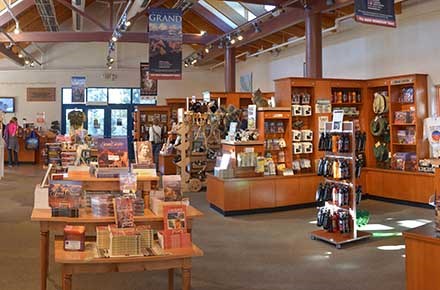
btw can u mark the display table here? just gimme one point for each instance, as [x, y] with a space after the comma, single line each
[86, 262]
[253, 194]
[422, 258]
[56, 224]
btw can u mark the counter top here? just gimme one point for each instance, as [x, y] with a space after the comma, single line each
[425, 233]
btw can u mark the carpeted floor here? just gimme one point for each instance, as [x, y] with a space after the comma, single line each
[254, 252]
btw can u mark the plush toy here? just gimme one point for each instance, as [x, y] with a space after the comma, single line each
[259, 100]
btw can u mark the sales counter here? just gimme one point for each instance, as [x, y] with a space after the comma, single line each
[422, 259]
[31, 156]
[255, 194]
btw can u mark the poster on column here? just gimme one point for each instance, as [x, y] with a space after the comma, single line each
[165, 38]
[148, 86]
[78, 89]
[377, 12]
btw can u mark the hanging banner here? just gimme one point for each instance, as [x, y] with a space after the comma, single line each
[165, 38]
[148, 86]
[78, 89]
[378, 12]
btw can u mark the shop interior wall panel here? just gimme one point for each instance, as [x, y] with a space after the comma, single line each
[237, 195]
[287, 192]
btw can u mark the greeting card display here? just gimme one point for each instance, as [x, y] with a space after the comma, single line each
[175, 233]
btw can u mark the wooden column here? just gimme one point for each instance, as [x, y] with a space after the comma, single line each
[313, 43]
[229, 69]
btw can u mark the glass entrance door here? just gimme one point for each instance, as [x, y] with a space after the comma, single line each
[119, 123]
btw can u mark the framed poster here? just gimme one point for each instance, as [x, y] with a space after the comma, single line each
[148, 86]
[378, 12]
[78, 89]
[165, 49]
[41, 94]
[246, 83]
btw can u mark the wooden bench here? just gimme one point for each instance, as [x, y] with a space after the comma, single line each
[88, 262]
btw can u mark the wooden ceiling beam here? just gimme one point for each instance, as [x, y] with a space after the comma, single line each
[261, 2]
[18, 9]
[210, 17]
[98, 36]
[84, 14]
[11, 55]
[288, 18]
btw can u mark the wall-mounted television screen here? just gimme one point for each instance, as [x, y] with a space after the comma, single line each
[7, 104]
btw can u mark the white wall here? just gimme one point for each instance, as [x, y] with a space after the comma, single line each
[364, 51]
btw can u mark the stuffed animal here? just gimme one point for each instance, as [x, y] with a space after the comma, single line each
[259, 100]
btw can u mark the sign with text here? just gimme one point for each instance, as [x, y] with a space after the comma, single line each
[378, 12]
[165, 37]
[40, 94]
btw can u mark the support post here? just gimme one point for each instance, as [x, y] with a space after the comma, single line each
[313, 23]
[229, 69]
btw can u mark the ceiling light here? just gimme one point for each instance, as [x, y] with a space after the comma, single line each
[127, 23]
[32, 64]
[17, 29]
[202, 32]
[194, 61]
[26, 61]
[186, 64]
[220, 44]
[20, 55]
[240, 37]
[114, 38]
[207, 49]
[232, 41]
[110, 67]
[110, 59]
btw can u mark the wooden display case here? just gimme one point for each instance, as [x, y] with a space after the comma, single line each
[253, 194]
[143, 118]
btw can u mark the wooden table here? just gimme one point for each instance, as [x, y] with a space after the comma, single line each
[86, 262]
[422, 257]
[56, 224]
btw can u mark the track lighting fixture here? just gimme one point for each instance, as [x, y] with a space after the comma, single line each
[186, 64]
[203, 32]
[17, 28]
[26, 61]
[109, 67]
[220, 44]
[20, 55]
[257, 28]
[32, 64]
[207, 49]
[127, 23]
[232, 41]
[240, 37]
[194, 61]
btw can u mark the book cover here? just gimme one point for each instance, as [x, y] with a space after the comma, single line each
[112, 152]
[124, 215]
[65, 194]
[174, 219]
[143, 152]
[172, 187]
[128, 183]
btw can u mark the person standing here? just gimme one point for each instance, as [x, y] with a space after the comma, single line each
[155, 133]
[11, 140]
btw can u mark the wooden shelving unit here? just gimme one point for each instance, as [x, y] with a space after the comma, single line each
[279, 116]
[143, 118]
[336, 238]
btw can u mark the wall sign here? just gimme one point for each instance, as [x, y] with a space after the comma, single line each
[78, 89]
[40, 94]
[378, 12]
[165, 37]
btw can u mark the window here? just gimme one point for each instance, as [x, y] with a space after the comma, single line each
[218, 14]
[146, 100]
[97, 95]
[119, 96]
[240, 9]
[66, 94]
[269, 7]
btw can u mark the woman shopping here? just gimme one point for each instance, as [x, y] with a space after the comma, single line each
[11, 140]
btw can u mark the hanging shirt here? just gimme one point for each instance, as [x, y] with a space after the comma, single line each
[155, 133]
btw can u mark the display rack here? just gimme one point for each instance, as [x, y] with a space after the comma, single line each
[267, 117]
[336, 238]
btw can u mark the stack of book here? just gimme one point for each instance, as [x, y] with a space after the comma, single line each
[103, 237]
[53, 153]
[102, 205]
[146, 236]
[138, 206]
[124, 242]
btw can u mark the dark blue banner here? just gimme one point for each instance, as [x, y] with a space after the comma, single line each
[378, 12]
[165, 37]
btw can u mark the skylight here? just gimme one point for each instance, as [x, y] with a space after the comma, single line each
[218, 14]
[269, 7]
[12, 3]
[240, 9]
